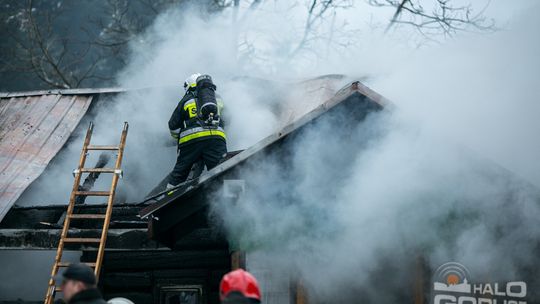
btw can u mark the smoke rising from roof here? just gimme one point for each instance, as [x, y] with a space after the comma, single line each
[417, 182]
[173, 50]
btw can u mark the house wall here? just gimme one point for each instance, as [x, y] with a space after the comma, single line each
[25, 273]
[146, 276]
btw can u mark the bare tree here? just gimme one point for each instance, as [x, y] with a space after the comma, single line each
[122, 22]
[317, 14]
[36, 45]
[445, 17]
[59, 55]
[60, 62]
[442, 18]
[319, 26]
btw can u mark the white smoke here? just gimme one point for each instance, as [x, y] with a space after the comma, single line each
[177, 45]
[423, 181]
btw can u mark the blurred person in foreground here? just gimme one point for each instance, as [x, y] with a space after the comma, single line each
[239, 287]
[120, 300]
[79, 285]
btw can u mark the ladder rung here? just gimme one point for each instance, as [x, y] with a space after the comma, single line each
[83, 206]
[87, 216]
[92, 193]
[82, 240]
[93, 147]
[64, 264]
[98, 170]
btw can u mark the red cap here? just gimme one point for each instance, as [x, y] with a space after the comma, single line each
[241, 281]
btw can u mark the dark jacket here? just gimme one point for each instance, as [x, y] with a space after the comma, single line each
[185, 126]
[88, 296]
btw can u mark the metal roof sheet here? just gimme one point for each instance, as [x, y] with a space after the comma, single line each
[33, 128]
[65, 92]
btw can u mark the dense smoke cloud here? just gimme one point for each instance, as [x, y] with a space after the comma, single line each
[173, 52]
[419, 181]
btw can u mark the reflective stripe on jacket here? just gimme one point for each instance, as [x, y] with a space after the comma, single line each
[186, 127]
[199, 132]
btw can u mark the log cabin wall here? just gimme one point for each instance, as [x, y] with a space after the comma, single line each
[163, 275]
[134, 266]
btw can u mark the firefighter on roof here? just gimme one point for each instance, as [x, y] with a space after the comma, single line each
[198, 126]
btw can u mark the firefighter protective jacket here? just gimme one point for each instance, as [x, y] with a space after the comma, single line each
[186, 127]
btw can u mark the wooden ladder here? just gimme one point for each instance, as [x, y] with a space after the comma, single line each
[64, 238]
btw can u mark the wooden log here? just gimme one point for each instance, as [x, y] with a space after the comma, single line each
[135, 239]
[178, 273]
[31, 217]
[213, 297]
[126, 281]
[215, 277]
[181, 281]
[421, 282]
[204, 238]
[238, 259]
[116, 282]
[300, 293]
[161, 259]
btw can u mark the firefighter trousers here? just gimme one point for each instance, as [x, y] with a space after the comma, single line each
[210, 151]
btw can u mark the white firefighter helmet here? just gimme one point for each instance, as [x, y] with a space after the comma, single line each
[119, 301]
[191, 81]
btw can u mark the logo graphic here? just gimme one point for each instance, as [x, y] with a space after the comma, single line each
[452, 285]
[452, 277]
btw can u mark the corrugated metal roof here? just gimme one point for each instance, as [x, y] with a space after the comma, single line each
[70, 92]
[33, 128]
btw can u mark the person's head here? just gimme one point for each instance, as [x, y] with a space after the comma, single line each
[191, 82]
[239, 286]
[119, 300]
[77, 277]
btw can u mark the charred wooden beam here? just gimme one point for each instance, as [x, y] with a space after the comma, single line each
[126, 280]
[128, 239]
[144, 281]
[162, 259]
[90, 180]
[238, 260]
[48, 239]
[202, 238]
[124, 216]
